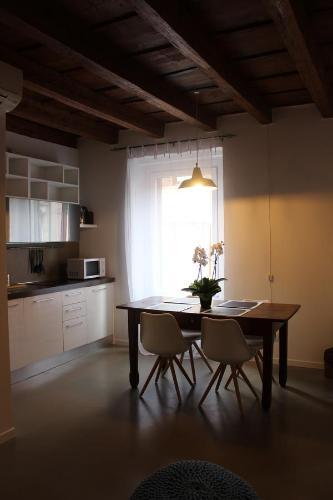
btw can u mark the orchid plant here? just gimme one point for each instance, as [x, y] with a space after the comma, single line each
[206, 288]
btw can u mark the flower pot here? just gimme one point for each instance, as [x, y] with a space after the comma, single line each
[205, 301]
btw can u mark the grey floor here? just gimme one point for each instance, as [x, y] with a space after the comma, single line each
[82, 434]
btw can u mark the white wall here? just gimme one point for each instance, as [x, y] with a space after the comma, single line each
[36, 148]
[291, 159]
[6, 423]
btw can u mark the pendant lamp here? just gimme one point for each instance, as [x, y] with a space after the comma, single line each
[197, 180]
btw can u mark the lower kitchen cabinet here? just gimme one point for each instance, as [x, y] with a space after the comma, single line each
[99, 311]
[75, 333]
[43, 324]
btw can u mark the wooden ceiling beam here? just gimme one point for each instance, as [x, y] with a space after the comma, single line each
[184, 32]
[37, 131]
[291, 22]
[62, 33]
[62, 88]
[52, 116]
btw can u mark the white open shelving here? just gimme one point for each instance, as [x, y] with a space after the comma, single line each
[38, 179]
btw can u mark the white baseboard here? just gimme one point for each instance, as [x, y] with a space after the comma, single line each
[303, 364]
[7, 435]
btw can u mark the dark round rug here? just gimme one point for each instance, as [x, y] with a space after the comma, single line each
[194, 480]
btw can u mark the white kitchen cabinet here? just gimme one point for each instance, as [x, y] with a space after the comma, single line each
[99, 311]
[43, 325]
[75, 333]
[18, 345]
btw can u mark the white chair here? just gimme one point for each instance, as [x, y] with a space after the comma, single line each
[161, 335]
[223, 341]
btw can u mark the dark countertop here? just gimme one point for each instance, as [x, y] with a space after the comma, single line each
[43, 287]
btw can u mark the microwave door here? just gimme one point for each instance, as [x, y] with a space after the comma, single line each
[92, 268]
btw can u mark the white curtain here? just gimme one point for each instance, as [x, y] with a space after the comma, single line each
[163, 225]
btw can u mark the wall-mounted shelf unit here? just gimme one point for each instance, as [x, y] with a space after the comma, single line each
[38, 179]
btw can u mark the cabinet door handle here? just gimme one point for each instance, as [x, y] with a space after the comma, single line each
[73, 309]
[74, 324]
[73, 293]
[43, 300]
[13, 305]
[99, 289]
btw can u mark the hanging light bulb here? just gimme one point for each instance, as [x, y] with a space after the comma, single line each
[197, 180]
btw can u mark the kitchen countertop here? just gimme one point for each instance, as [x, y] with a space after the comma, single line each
[43, 287]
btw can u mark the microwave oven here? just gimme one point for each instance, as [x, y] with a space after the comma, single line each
[82, 269]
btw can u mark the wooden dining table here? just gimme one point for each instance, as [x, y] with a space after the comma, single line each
[264, 321]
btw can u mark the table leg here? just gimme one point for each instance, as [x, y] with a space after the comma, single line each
[267, 371]
[283, 354]
[133, 349]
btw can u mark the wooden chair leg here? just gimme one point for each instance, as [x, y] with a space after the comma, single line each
[220, 378]
[214, 377]
[150, 376]
[175, 380]
[241, 371]
[159, 371]
[257, 360]
[192, 364]
[181, 358]
[234, 376]
[230, 379]
[166, 367]
[182, 369]
[204, 357]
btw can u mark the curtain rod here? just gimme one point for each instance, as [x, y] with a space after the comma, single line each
[123, 148]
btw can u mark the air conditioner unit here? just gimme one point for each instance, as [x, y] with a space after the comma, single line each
[11, 83]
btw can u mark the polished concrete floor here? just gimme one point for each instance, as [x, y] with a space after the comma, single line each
[82, 434]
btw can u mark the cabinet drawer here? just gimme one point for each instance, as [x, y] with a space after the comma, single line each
[72, 311]
[73, 296]
[75, 333]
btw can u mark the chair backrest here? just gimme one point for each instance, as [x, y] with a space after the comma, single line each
[160, 334]
[223, 341]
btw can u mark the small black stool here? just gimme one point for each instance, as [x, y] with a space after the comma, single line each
[328, 359]
[194, 480]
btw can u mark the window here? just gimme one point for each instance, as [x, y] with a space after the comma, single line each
[165, 224]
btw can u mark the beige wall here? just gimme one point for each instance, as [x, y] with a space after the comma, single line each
[291, 160]
[6, 423]
[102, 178]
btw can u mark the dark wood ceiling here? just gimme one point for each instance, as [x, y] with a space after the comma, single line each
[96, 66]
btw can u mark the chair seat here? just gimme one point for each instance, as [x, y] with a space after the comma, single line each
[191, 335]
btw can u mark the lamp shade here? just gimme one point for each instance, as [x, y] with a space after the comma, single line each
[197, 180]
